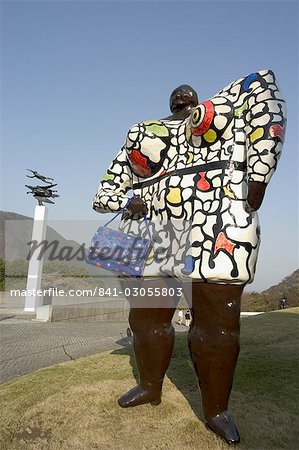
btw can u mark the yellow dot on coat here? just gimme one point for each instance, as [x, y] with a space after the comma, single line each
[174, 195]
[150, 257]
[188, 133]
[257, 134]
[210, 136]
[228, 192]
[190, 157]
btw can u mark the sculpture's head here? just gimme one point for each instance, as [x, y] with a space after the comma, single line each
[183, 97]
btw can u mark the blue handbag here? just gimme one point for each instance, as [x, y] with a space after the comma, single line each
[117, 251]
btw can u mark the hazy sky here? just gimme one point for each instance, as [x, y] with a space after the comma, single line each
[77, 74]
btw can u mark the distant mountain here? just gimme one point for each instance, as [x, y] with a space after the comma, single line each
[269, 299]
[8, 216]
[288, 284]
[16, 233]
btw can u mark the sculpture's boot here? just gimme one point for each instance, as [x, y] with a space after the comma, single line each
[224, 426]
[141, 394]
[214, 349]
[153, 338]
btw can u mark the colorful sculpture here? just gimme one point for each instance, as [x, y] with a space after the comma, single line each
[207, 166]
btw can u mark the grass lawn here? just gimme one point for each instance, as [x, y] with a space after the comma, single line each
[73, 405]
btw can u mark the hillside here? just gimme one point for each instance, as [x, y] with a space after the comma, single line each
[16, 233]
[269, 299]
[288, 284]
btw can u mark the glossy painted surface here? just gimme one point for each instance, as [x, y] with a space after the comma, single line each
[213, 343]
[208, 167]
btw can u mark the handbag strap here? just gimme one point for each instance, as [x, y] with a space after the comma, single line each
[122, 209]
[147, 226]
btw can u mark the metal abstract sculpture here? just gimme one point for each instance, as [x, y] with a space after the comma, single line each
[39, 176]
[42, 194]
[207, 164]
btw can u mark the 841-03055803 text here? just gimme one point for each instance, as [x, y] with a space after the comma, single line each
[141, 292]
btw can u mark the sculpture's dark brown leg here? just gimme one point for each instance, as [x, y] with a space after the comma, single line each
[153, 339]
[214, 348]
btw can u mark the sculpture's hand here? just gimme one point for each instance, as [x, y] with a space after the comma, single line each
[137, 206]
[256, 192]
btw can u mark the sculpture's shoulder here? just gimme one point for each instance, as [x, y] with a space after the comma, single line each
[156, 126]
[149, 131]
[146, 146]
[262, 79]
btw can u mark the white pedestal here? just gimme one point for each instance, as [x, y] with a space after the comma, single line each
[44, 313]
[35, 264]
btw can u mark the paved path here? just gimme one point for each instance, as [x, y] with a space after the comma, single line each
[27, 345]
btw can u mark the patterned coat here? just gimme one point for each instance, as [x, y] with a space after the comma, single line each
[193, 175]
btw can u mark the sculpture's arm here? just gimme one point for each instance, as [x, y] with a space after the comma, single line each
[265, 128]
[255, 196]
[111, 194]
